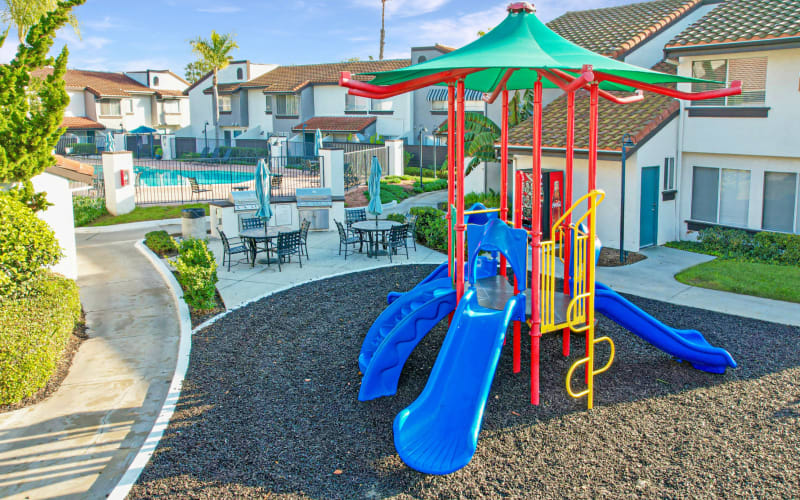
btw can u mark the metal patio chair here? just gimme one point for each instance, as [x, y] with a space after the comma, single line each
[411, 224]
[345, 240]
[398, 237]
[288, 245]
[230, 248]
[196, 189]
[304, 227]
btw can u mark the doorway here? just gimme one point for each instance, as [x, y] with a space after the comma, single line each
[648, 214]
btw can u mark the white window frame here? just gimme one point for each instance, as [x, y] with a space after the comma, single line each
[796, 215]
[176, 102]
[221, 100]
[719, 197]
[356, 104]
[127, 106]
[439, 106]
[268, 104]
[726, 100]
[669, 174]
[286, 97]
[381, 105]
[107, 102]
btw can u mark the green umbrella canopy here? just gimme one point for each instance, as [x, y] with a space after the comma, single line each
[522, 41]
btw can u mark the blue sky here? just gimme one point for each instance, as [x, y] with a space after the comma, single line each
[147, 34]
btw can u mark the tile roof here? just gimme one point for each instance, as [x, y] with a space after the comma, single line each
[615, 31]
[99, 83]
[337, 123]
[294, 78]
[169, 93]
[637, 119]
[743, 20]
[72, 170]
[81, 123]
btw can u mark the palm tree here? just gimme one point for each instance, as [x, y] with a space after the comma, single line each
[215, 53]
[25, 13]
[383, 31]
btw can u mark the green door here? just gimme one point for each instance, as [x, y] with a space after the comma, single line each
[648, 214]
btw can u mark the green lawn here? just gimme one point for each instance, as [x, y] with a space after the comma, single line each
[770, 281]
[140, 214]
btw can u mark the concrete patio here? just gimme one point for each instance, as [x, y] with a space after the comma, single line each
[244, 283]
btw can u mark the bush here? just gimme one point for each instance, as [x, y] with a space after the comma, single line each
[83, 148]
[431, 227]
[436, 185]
[242, 152]
[87, 209]
[766, 247]
[396, 218]
[161, 243]
[426, 172]
[197, 274]
[27, 245]
[33, 333]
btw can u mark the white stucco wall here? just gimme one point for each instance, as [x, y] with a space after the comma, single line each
[142, 113]
[200, 111]
[60, 219]
[776, 135]
[652, 154]
[166, 81]
[77, 104]
[256, 106]
[329, 100]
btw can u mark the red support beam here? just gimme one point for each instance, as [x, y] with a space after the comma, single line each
[451, 123]
[593, 134]
[561, 79]
[500, 87]
[536, 239]
[568, 177]
[460, 226]
[734, 89]
[504, 171]
[365, 89]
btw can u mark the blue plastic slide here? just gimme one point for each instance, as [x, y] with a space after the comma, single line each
[486, 267]
[438, 433]
[686, 345]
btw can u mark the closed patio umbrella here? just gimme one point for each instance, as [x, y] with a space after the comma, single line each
[110, 142]
[317, 142]
[374, 206]
[262, 191]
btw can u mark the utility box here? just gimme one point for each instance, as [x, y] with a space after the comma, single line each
[193, 223]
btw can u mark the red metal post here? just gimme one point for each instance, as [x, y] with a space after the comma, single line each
[536, 239]
[570, 157]
[594, 102]
[518, 180]
[504, 171]
[460, 226]
[451, 122]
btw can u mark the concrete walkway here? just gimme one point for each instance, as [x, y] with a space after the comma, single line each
[430, 199]
[79, 442]
[653, 278]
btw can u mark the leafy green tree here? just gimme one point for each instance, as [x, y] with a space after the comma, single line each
[215, 52]
[23, 14]
[196, 70]
[32, 107]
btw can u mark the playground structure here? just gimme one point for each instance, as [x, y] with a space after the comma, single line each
[438, 432]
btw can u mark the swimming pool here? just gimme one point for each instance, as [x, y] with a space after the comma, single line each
[152, 177]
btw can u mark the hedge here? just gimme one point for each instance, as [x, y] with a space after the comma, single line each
[197, 274]
[33, 333]
[766, 247]
[431, 227]
[161, 243]
[84, 148]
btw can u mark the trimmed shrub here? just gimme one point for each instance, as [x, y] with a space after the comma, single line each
[436, 185]
[766, 247]
[86, 209]
[33, 333]
[426, 172]
[431, 227]
[197, 273]
[27, 245]
[83, 148]
[396, 218]
[161, 243]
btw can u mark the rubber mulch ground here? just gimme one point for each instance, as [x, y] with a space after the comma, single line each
[270, 408]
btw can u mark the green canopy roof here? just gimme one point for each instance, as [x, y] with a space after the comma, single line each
[523, 42]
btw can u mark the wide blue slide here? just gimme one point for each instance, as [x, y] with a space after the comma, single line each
[685, 345]
[438, 433]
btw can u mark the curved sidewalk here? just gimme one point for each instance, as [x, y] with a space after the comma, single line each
[79, 442]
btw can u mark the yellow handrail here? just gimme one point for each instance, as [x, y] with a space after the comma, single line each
[486, 211]
[597, 192]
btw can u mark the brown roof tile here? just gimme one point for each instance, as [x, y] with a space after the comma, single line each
[99, 83]
[615, 31]
[743, 20]
[336, 123]
[637, 119]
[294, 78]
[81, 123]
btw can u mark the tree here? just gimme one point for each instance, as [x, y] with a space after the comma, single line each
[25, 13]
[215, 52]
[195, 71]
[383, 31]
[32, 107]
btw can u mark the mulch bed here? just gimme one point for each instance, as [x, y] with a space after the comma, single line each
[609, 257]
[62, 368]
[270, 407]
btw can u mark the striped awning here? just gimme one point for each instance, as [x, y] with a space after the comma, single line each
[440, 94]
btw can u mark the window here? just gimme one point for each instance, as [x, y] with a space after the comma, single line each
[669, 174]
[224, 104]
[110, 107]
[381, 104]
[439, 106]
[287, 105]
[127, 105]
[721, 196]
[268, 104]
[155, 81]
[751, 71]
[780, 202]
[355, 103]
[421, 59]
[239, 74]
[172, 106]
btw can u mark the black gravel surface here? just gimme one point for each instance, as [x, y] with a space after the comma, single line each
[270, 408]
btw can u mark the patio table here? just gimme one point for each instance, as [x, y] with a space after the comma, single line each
[256, 235]
[376, 232]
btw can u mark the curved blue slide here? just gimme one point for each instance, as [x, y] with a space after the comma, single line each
[438, 433]
[685, 345]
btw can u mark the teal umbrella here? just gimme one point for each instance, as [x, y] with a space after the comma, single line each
[317, 142]
[374, 206]
[109, 142]
[262, 190]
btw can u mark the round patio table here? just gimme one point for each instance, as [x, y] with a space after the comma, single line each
[258, 234]
[376, 232]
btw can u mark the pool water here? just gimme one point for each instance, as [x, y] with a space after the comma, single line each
[152, 177]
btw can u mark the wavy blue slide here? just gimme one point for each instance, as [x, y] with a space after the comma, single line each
[686, 345]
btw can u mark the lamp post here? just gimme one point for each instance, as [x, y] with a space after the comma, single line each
[627, 142]
[422, 130]
[205, 134]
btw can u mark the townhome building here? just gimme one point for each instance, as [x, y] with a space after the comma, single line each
[739, 161]
[122, 102]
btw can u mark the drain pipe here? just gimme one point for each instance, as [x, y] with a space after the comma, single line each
[627, 142]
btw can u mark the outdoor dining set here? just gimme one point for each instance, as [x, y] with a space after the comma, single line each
[278, 243]
[381, 237]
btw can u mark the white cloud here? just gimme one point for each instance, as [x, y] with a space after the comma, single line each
[8, 50]
[105, 24]
[86, 43]
[403, 8]
[455, 30]
[222, 9]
